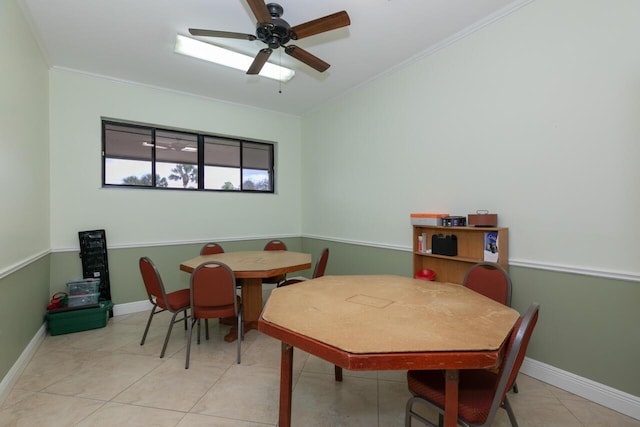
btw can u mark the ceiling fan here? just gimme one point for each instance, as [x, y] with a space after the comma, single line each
[275, 32]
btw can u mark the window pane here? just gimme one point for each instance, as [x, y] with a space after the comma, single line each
[127, 172]
[222, 164]
[257, 162]
[221, 178]
[257, 180]
[177, 159]
[257, 156]
[221, 152]
[128, 155]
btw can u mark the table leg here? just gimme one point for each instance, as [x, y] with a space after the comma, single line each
[286, 381]
[252, 305]
[337, 370]
[451, 398]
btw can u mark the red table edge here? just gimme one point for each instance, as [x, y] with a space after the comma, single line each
[451, 362]
[259, 274]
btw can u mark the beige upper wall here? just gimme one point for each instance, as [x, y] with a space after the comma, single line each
[534, 117]
[24, 149]
[134, 217]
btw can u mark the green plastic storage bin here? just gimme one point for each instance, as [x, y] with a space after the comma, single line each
[66, 322]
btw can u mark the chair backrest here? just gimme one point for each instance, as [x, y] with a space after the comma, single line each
[213, 290]
[211, 248]
[321, 265]
[514, 356]
[152, 280]
[275, 245]
[490, 280]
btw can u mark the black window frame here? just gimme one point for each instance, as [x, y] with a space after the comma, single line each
[202, 139]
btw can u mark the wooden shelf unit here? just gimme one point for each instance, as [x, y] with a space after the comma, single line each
[470, 251]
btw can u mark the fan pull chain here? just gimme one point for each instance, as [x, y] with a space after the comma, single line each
[280, 70]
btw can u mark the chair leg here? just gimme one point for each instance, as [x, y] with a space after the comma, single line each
[198, 331]
[166, 339]
[507, 407]
[189, 332]
[206, 329]
[146, 330]
[240, 333]
[515, 387]
[409, 413]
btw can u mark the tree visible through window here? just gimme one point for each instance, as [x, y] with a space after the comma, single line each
[147, 157]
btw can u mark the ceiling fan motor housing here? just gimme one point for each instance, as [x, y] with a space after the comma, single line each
[274, 35]
[278, 32]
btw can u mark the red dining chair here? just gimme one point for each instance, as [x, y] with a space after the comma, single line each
[275, 245]
[492, 281]
[318, 271]
[211, 248]
[174, 302]
[213, 295]
[480, 392]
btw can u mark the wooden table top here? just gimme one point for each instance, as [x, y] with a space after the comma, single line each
[388, 314]
[255, 264]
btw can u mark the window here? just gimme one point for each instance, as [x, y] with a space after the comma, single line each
[147, 157]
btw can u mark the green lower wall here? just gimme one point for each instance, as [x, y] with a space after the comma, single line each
[25, 295]
[347, 258]
[588, 325]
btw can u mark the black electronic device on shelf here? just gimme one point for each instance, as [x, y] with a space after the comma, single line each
[444, 245]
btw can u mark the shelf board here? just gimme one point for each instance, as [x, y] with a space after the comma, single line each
[450, 258]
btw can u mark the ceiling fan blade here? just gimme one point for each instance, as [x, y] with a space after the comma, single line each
[260, 11]
[226, 34]
[321, 25]
[259, 61]
[304, 56]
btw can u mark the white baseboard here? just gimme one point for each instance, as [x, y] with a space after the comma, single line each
[16, 370]
[617, 400]
[131, 307]
[609, 397]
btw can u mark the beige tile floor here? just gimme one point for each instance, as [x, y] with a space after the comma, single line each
[103, 377]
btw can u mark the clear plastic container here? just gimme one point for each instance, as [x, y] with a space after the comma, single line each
[83, 287]
[86, 299]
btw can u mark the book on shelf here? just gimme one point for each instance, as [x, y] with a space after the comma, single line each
[491, 246]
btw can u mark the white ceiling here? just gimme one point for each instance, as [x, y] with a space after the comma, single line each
[133, 40]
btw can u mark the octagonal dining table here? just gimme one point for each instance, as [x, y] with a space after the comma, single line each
[250, 267]
[384, 322]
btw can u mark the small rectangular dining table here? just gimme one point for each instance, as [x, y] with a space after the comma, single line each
[384, 322]
[250, 267]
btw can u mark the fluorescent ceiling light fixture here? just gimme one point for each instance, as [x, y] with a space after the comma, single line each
[171, 147]
[212, 53]
[151, 144]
